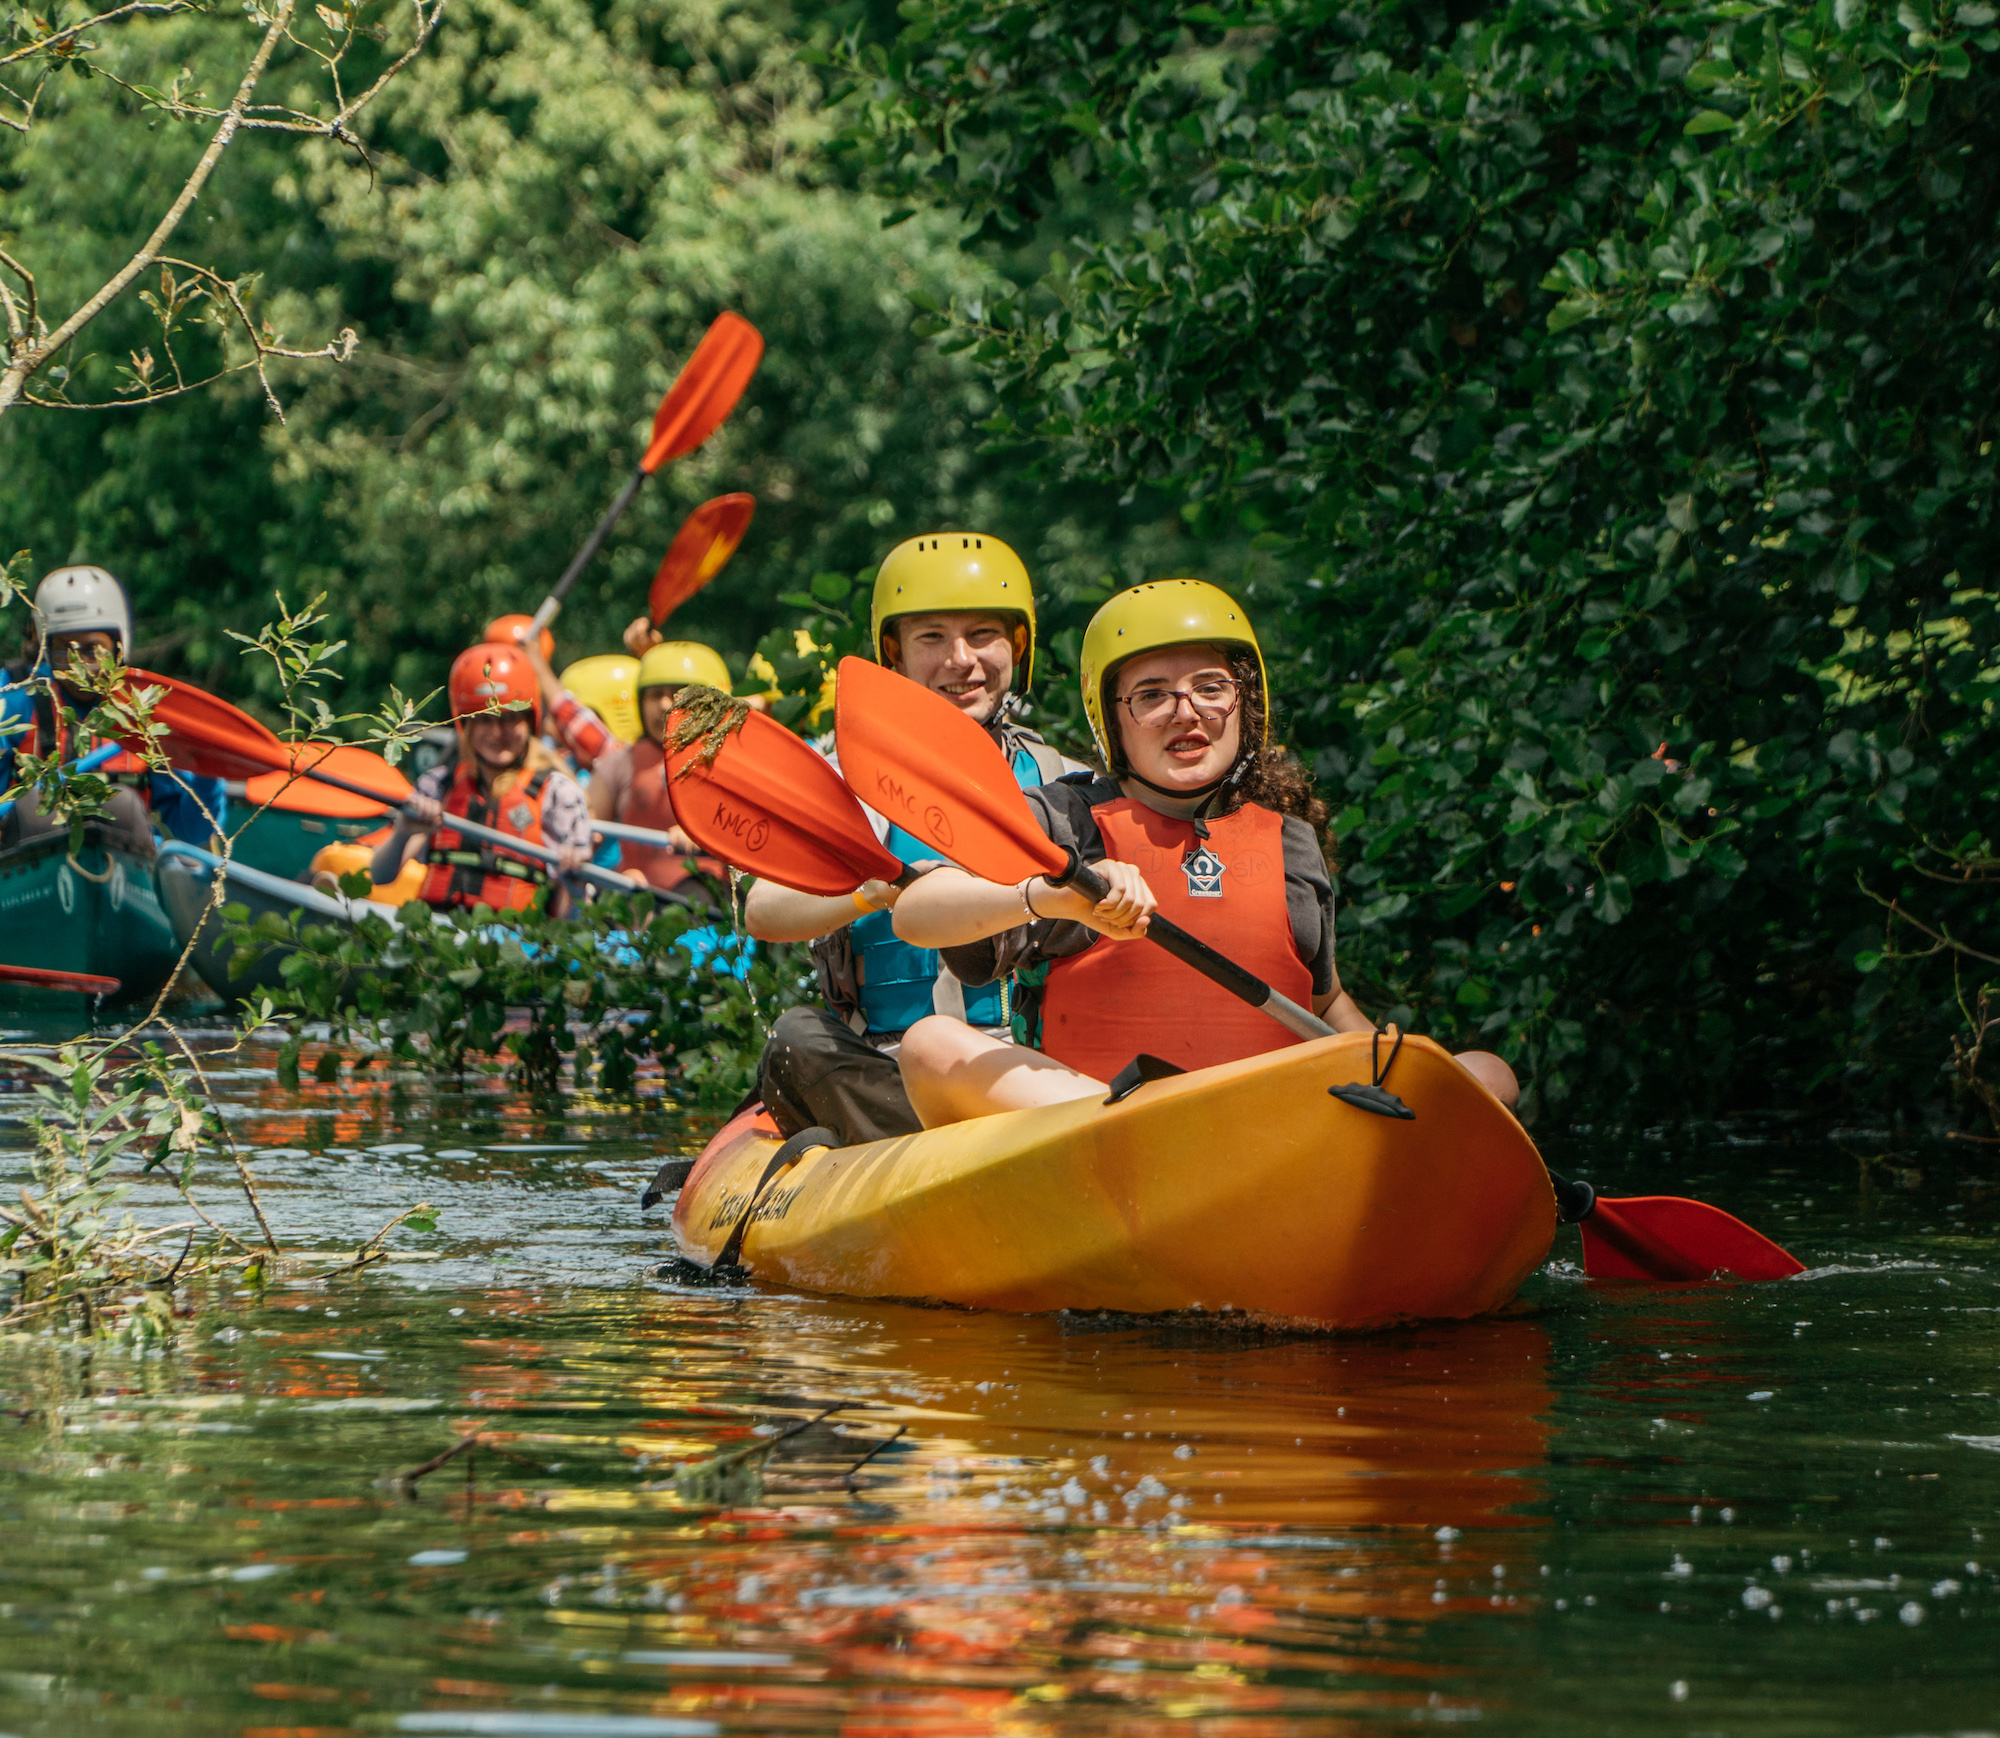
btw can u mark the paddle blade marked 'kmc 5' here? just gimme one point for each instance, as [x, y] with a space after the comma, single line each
[934, 771]
[770, 805]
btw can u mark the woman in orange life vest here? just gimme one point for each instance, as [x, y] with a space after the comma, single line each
[503, 778]
[630, 783]
[1202, 820]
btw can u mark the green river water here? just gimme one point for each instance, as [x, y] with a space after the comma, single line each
[1745, 1510]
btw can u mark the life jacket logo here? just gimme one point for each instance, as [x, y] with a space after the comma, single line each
[1204, 871]
[520, 817]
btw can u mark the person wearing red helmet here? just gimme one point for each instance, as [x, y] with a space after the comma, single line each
[504, 778]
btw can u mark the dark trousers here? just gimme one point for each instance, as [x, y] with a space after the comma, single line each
[818, 1072]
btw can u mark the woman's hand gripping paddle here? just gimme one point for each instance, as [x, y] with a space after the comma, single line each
[751, 793]
[938, 775]
[701, 397]
[212, 737]
[700, 550]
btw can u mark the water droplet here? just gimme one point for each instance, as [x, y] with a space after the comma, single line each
[1678, 1689]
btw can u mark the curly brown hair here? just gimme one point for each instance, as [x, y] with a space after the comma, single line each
[1265, 774]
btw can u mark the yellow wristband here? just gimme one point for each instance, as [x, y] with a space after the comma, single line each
[862, 903]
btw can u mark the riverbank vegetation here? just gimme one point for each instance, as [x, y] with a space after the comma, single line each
[1593, 404]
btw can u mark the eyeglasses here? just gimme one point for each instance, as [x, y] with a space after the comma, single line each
[1213, 698]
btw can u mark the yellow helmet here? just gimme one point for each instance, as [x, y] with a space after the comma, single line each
[1162, 612]
[953, 570]
[609, 686]
[680, 662]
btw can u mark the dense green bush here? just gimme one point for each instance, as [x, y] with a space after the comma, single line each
[627, 978]
[1626, 379]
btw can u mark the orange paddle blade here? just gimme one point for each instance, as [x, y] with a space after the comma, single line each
[706, 390]
[285, 790]
[1667, 1237]
[911, 755]
[209, 736]
[771, 805]
[700, 550]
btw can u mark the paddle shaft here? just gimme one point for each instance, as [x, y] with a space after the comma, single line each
[486, 835]
[88, 763]
[591, 545]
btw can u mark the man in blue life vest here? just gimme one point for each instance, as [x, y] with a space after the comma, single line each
[81, 615]
[954, 612]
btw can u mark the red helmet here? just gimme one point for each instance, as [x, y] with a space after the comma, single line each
[486, 676]
[507, 631]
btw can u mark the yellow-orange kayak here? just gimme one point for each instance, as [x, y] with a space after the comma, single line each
[1245, 1188]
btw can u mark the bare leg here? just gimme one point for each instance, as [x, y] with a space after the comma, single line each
[953, 1073]
[1493, 1074]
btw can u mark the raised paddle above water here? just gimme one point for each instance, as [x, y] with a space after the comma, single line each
[939, 775]
[701, 549]
[702, 395]
[211, 736]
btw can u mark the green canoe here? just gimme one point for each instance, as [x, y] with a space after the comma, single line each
[186, 882]
[96, 911]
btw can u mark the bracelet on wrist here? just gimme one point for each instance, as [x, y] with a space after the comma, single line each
[1027, 904]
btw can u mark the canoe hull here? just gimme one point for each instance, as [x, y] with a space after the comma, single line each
[95, 912]
[186, 881]
[1190, 1195]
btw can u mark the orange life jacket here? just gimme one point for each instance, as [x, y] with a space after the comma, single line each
[648, 802]
[462, 873]
[1105, 1005]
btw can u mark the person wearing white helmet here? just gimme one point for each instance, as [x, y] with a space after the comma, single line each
[955, 612]
[81, 615]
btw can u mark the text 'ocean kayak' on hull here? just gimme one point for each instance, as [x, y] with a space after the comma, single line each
[1245, 1188]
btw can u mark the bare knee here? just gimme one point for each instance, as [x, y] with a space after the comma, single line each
[1492, 1073]
[938, 1043]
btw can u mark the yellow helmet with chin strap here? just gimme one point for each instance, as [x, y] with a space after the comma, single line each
[953, 570]
[676, 663]
[1150, 617]
[609, 686]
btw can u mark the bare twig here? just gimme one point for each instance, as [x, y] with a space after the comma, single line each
[69, 34]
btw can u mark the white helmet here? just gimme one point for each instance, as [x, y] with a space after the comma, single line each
[81, 600]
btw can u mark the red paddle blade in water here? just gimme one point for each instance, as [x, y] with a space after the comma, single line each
[1666, 1237]
[306, 795]
[911, 755]
[700, 550]
[770, 805]
[706, 390]
[41, 978]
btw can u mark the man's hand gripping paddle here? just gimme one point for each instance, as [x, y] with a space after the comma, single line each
[212, 737]
[940, 776]
[701, 397]
[701, 549]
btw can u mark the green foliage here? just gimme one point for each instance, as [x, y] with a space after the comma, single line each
[627, 979]
[1625, 379]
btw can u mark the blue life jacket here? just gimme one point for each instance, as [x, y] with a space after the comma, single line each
[896, 979]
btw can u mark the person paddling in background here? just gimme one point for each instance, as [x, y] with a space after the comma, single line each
[631, 782]
[503, 778]
[577, 729]
[1200, 818]
[955, 613]
[82, 615]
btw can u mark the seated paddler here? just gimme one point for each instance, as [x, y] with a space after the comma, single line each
[82, 617]
[504, 777]
[954, 612]
[630, 783]
[1198, 816]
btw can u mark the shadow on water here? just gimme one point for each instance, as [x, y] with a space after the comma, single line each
[1694, 1509]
